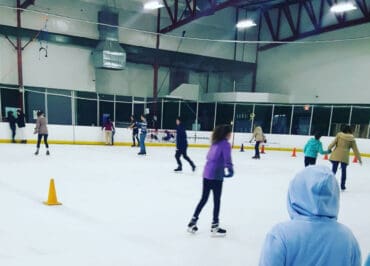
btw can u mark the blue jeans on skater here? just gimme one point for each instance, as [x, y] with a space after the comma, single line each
[142, 142]
[344, 172]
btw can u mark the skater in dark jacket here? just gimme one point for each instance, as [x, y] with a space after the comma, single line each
[143, 125]
[135, 132]
[218, 158]
[11, 119]
[21, 123]
[182, 146]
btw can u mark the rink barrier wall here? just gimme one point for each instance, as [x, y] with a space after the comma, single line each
[85, 135]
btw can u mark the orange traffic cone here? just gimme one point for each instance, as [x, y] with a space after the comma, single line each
[242, 148]
[52, 198]
[263, 149]
[326, 157]
[355, 160]
[294, 154]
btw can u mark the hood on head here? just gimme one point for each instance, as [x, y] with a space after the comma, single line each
[314, 192]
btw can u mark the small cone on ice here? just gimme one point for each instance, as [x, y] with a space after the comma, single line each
[326, 157]
[294, 154]
[355, 160]
[52, 198]
[242, 148]
[263, 149]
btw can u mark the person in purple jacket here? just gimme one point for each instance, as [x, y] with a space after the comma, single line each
[218, 158]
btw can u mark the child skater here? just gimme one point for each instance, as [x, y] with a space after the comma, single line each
[312, 148]
[42, 132]
[135, 132]
[182, 146]
[218, 158]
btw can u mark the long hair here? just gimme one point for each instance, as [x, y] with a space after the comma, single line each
[220, 133]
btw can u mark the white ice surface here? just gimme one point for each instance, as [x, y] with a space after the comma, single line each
[120, 209]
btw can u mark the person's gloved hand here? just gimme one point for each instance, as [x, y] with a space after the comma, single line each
[230, 172]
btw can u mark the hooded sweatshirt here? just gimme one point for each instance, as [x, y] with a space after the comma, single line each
[313, 147]
[343, 143]
[218, 158]
[312, 237]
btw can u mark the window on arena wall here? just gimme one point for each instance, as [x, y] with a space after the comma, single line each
[170, 112]
[243, 118]
[341, 116]
[225, 113]
[9, 98]
[59, 107]
[139, 104]
[188, 114]
[123, 110]
[301, 120]
[262, 117]
[86, 108]
[361, 121]
[106, 107]
[281, 119]
[320, 120]
[206, 116]
[155, 112]
[34, 101]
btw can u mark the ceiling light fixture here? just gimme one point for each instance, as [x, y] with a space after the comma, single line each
[343, 7]
[243, 24]
[152, 5]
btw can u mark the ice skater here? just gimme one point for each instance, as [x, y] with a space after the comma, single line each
[135, 132]
[259, 137]
[312, 236]
[342, 144]
[218, 158]
[21, 123]
[312, 148]
[12, 121]
[182, 146]
[143, 131]
[41, 130]
[108, 128]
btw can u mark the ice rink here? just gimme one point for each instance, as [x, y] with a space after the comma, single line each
[120, 209]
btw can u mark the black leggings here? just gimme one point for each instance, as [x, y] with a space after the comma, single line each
[135, 136]
[186, 157]
[13, 129]
[39, 138]
[309, 161]
[257, 149]
[344, 172]
[216, 187]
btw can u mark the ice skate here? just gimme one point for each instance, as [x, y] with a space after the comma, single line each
[178, 169]
[193, 168]
[37, 152]
[217, 231]
[192, 226]
[47, 152]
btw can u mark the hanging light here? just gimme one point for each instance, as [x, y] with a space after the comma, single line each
[243, 24]
[152, 5]
[343, 7]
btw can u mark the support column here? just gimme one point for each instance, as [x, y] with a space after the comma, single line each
[156, 66]
[254, 81]
[19, 56]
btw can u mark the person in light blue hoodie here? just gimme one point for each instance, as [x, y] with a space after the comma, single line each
[312, 148]
[312, 237]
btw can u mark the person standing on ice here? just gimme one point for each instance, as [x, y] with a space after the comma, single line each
[312, 236]
[41, 130]
[312, 148]
[108, 128]
[11, 120]
[259, 137]
[143, 130]
[135, 131]
[342, 144]
[21, 123]
[182, 146]
[218, 158]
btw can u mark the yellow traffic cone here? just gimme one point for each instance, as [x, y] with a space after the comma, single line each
[52, 198]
